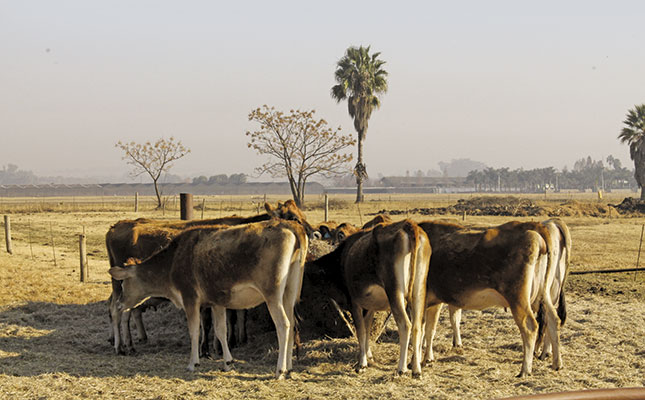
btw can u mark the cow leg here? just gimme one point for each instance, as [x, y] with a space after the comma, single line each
[206, 325]
[138, 322]
[125, 331]
[369, 320]
[552, 332]
[282, 326]
[219, 325]
[115, 320]
[361, 335]
[418, 305]
[526, 322]
[455, 321]
[397, 305]
[240, 327]
[432, 319]
[191, 309]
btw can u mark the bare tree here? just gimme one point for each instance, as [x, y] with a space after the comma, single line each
[153, 158]
[298, 147]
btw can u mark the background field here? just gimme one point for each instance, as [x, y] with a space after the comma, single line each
[53, 329]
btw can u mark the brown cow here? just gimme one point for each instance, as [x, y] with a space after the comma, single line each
[475, 269]
[238, 267]
[382, 268]
[344, 230]
[140, 238]
[558, 239]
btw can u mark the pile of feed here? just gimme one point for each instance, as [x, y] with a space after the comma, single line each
[510, 206]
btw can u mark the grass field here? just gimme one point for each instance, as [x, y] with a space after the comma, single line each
[54, 329]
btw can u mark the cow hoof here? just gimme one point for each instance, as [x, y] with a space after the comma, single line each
[401, 372]
[416, 375]
[228, 366]
[281, 375]
[190, 368]
[142, 340]
[523, 374]
[360, 369]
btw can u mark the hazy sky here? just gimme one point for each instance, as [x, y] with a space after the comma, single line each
[508, 83]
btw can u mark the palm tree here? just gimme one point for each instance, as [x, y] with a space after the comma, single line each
[634, 134]
[360, 79]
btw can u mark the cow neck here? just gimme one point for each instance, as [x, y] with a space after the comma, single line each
[155, 270]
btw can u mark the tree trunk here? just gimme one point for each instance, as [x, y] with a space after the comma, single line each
[157, 193]
[360, 170]
[639, 168]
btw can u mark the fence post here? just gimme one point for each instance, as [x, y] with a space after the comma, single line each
[326, 207]
[203, 206]
[186, 204]
[7, 233]
[83, 256]
[136, 201]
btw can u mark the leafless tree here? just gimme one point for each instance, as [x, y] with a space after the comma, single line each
[153, 158]
[298, 147]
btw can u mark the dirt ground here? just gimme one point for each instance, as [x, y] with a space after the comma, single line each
[54, 329]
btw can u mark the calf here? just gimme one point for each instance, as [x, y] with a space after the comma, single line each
[138, 239]
[239, 267]
[382, 268]
[477, 269]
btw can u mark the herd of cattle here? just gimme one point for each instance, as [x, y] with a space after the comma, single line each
[207, 267]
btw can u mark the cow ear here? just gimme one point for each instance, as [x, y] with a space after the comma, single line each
[120, 274]
[270, 210]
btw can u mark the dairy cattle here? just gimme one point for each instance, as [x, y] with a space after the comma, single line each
[379, 269]
[140, 238]
[238, 267]
[477, 269]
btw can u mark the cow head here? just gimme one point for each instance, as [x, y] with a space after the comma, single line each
[290, 211]
[342, 232]
[133, 293]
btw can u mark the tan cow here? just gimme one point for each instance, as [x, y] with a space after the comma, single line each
[238, 267]
[477, 269]
[552, 314]
[379, 269]
[140, 238]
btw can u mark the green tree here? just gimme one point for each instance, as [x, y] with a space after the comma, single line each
[360, 79]
[298, 146]
[153, 158]
[633, 133]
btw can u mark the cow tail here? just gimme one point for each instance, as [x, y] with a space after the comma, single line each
[413, 234]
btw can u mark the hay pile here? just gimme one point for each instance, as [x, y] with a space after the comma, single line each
[510, 206]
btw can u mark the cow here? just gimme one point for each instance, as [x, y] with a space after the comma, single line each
[558, 239]
[378, 269]
[238, 267]
[477, 269]
[345, 229]
[140, 238]
[562, 239]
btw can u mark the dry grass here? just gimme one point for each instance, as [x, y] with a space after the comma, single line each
[53, 329]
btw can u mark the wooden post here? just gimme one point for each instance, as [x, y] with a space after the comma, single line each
[640, 246]
[83, 256]
[265, 198]
[203, 206]
[136, 201]
[31, 248]
[7, 233]
[186, 204]
[326, 207]
[51, 234]
[463, 217]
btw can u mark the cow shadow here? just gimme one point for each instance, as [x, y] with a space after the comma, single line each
[39, 338]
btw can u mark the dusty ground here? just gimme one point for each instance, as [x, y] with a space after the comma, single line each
[53, 329]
